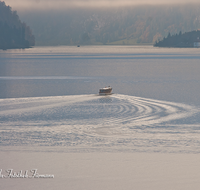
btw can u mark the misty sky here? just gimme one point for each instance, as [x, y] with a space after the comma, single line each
[64, 4]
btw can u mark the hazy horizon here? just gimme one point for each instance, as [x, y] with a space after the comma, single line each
[109, 25]
[66, 4]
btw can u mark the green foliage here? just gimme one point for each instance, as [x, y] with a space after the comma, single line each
[13, 33]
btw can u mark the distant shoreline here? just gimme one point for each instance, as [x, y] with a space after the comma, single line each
[185, 40]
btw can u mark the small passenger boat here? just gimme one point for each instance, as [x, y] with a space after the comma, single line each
[105, 91]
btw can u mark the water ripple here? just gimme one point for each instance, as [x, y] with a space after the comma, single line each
[117, 122]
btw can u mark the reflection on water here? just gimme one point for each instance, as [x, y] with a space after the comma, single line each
[105, 99]
[155, 108]
[144, 71]
[90, 121]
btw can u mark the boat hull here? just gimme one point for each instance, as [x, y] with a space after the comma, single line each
[105, 91]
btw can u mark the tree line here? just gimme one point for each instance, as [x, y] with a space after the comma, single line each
[186, 39]
[133, 25]
[13, 33]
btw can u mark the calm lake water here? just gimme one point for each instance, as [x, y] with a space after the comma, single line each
[144, 71]
[144, 136]
[49, 98]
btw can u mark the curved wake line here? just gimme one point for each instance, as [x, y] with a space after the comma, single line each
[113, 110]
[156, 111]
[93, 122]
[42, 77]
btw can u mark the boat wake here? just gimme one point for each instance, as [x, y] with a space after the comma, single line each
[107, 123]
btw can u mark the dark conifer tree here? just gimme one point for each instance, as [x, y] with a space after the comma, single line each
[13, 33]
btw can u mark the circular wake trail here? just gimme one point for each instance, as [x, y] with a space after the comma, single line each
[112, 110]
[152, 112]
[93, 121]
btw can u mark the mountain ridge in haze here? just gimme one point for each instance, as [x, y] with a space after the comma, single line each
[116, 26]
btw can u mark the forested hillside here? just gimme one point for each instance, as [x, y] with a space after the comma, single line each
[188, 39]
[133, 25]
[13, 33]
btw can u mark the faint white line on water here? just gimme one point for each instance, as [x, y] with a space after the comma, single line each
[42, 77]
[52, 102]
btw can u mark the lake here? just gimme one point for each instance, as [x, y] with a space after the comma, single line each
[159, 73]
[52, 118]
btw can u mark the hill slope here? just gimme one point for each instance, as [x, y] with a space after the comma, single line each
[180, 40]
[13, 33]
[133, 25]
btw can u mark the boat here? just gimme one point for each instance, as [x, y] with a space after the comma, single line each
[105, 91]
